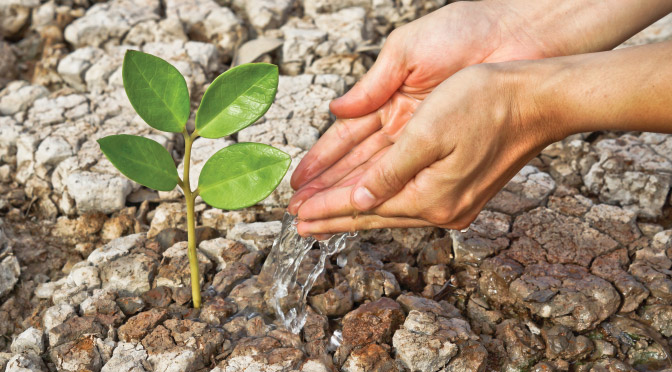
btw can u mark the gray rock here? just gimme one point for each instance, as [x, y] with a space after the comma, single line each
[129, 275]
[258, 235]
[29, 341]
[9, 274]
[222, 251]
[52, 151]
[168, 215]
[301, 39]
[116, 248]
[175, 271]
[222, 27]
[224, 220]
[57, 315]
[128, 357]
[95, 192]
[420, 345]
[26, 363]
[18, 96]
[347, 26]
[265, 14]
[297, 133]
[109, 22]
[262, 353]
[73, 67]
[85, 276]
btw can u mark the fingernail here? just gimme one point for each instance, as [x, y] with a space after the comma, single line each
[294, 207]
[363, 198]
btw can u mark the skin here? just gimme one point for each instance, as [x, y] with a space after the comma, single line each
[422, 132]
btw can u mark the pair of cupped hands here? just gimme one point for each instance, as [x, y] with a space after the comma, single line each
[429, 134]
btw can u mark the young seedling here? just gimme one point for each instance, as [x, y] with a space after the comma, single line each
[235, 177]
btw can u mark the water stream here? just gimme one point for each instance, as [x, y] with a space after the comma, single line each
[287, 295]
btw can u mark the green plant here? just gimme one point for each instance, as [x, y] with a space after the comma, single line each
[235, 177]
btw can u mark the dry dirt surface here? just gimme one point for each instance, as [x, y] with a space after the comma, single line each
[567, 268]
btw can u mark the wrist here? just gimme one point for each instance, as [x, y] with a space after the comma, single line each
[536, 93]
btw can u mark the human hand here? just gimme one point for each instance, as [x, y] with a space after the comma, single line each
[420, 55]
[415, 59]
[463, 144]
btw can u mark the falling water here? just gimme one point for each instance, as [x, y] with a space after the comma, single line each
[287, 295]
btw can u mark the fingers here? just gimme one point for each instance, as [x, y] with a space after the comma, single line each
[337, 141]
[362, 222]
[383, 79]
[409, 155]
[344, 167]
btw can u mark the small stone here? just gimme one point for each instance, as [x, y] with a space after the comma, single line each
[57, 315]
[335, 301]
[223, 221]
[157, 297]
[369, 358]
[85, 276]
[95, 192]
[26, 363]
[418, 349]
[523, 347]
[168, 216]
[259, 235]
[115, 249]
[127, 357]
[9, 274]
[52, 151]
[562, 343]
[223, 251]
[129, 275]
[232, 275]
[436, 252]
[548, 236]
[138, 326]
[436, 275]
[78, 355]
[374, 322]
[130, 305]
[18, 96]
[217, 311]
[72, 328]
[29, 341]
[170, 236]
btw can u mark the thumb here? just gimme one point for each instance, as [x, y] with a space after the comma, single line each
[401, 163]
[375, 87]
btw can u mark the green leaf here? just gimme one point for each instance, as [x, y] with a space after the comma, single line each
[157, 91]
[236, 99]
[241, 175]
[141, 159]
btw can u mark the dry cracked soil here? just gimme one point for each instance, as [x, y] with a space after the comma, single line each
[568, 268]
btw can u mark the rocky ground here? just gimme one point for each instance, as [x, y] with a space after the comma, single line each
[568, 268]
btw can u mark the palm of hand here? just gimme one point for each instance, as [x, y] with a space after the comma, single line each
[415, 60]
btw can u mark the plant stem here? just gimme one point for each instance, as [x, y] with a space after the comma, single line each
[190, 198]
